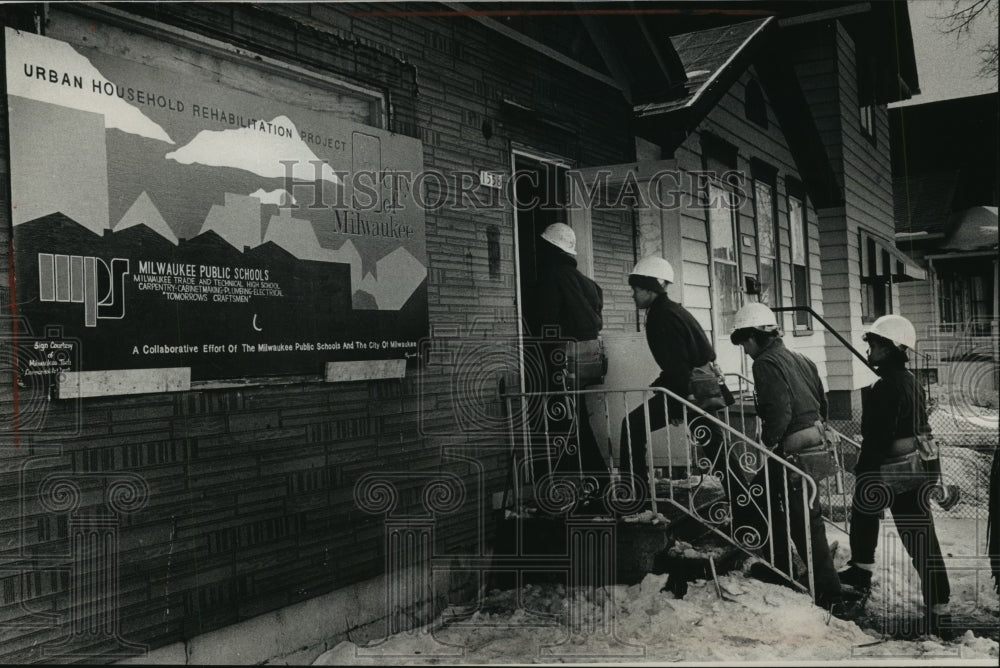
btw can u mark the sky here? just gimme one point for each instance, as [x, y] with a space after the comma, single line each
[948, 66]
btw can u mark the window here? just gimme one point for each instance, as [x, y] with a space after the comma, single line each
[724, 194]
[767, 243]
[876, 286]
[867, 113]
[722, 231]
[867, 80]
[799, 259]
[966, 295]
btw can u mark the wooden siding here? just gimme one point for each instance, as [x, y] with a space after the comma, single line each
[825, 64]
[916, 301]
[867, 166]
[727, 121]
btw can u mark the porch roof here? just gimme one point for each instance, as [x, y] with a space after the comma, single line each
[974, 228]
[712, 59]
[887, 260]
[923, 203]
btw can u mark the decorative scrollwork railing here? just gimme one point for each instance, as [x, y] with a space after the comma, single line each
[720, 475]
[835, 492]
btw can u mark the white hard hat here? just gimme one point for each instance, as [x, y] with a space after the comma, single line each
[756, 316]
[654, 266]
[896, 328]
[561, 236]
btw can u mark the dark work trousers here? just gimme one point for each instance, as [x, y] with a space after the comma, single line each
[787, 516]
[912, 517]
[706, 435]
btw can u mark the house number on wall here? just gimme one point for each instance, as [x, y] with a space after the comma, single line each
[491, 179]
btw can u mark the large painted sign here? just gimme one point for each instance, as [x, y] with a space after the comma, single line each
[165, 221]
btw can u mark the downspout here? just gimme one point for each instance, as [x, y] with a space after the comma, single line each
[935, 302]
[42, 21]
[936, 317]
[994, 332]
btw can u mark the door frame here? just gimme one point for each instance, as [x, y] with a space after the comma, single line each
[519, 151]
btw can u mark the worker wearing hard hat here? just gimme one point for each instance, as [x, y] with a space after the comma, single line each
[897, 469]
[564, 296]
[678, 344]
[566, 305]
[792, 408]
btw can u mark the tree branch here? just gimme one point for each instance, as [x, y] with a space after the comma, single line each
[959, 23]
[961, 18]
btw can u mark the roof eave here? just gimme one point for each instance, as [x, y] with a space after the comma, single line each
[650, 121]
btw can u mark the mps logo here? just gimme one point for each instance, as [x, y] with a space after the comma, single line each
[86, 280]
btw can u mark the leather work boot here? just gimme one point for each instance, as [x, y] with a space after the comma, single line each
[846, 610]
[857, 578]
[840, 608]
[939, 622]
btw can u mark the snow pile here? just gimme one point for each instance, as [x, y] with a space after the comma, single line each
[646, 517]
[754, 621]
[687, 551]
[750, 621]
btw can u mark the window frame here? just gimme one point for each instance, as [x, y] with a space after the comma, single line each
[801, 320]
[763, 174]
[866, 117]
[866, 80]
[876, 286]
[727, 190]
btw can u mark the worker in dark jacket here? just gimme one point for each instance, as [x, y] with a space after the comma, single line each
[678, 344]
[564, 311]
[896, 469]
[563, 297]
[790, 401]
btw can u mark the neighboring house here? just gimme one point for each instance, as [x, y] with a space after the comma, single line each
[259, 495]
[850, 70]
[798, 105]
[946, 196]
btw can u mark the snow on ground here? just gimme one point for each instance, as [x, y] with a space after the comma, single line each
[753, 621]
[969, 469]
[896, 587]
[962, 420]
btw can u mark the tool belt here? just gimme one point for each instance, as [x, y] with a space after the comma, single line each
[816, 461]
[904, 473]
[708, 390]
[902, 447]
[586, 362]
[804, 439]
[811, 449]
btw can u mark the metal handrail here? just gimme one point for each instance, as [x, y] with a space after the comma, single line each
[829, 328]
[841, 488]
[535, 462]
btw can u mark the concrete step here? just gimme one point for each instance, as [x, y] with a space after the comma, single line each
[534, 544]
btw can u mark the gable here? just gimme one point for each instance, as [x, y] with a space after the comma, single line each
[715, 60]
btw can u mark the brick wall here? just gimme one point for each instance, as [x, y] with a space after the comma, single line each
[250, 502]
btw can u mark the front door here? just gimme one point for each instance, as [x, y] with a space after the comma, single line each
[540, 200]
[539, 190]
